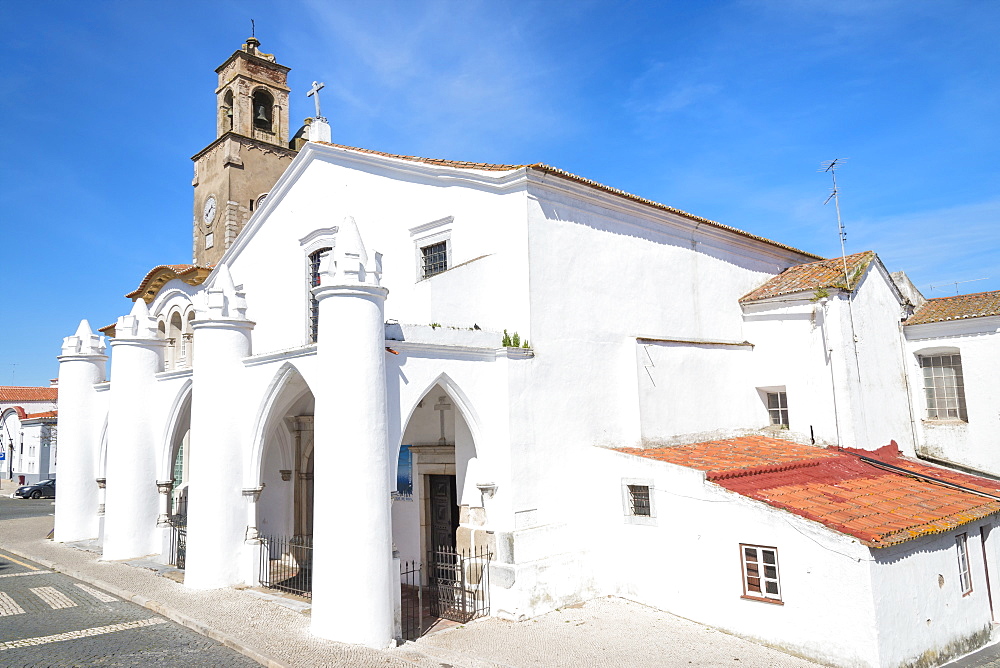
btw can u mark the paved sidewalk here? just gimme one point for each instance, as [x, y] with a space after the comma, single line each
[603, 632]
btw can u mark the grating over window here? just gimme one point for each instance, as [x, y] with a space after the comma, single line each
[638, 496]
[760, 572]
[313, 281]
[964, 575]
[944, 387]
[777, 408]
[435, 258]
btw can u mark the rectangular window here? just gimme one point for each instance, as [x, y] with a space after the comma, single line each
[944, 387]
[760, 572]
[964, 576]
[777, 408]
[434, 258]
[313, 281]
[638, 497]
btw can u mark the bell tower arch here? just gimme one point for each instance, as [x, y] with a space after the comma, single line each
[250, 151]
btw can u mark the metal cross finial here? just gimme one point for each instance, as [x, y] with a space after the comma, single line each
[253, 29]
[314, 91]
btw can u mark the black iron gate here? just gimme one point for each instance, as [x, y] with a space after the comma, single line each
[178, 540]
[454, 586]
[286, 564]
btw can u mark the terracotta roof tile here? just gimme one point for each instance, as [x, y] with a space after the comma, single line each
[880, 497]
[158, 276]
[43, 414]
[813, 276]
[555, 171]
[14, 393]
[959, 307]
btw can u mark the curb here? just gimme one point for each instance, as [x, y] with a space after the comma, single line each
[160, 609]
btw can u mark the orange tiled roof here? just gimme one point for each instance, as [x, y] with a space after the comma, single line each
[960, 307]
[43, 414]
[192, 274]
[15, 393]
[855, 492]
[813, 276]
[555, 171]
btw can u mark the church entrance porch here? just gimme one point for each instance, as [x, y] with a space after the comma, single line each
[439, 522]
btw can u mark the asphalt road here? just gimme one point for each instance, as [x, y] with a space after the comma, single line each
[17, 508]
[50, 619]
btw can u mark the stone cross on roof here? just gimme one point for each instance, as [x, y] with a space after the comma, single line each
[314, 91]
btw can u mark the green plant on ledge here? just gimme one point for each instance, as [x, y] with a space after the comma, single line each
[513, 341]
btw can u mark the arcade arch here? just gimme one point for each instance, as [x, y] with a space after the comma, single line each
[437, 503]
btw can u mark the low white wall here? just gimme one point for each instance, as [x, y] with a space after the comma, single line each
[688, 563]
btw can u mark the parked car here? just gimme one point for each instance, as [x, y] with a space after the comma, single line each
[45, 489]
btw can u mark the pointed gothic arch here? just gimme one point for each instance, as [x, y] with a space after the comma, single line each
[280, 457]
[444, 460]
[178, 421]
[462, 402]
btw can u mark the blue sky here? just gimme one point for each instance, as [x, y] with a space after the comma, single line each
[722, 108]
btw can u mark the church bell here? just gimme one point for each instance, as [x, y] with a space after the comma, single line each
[261, 115]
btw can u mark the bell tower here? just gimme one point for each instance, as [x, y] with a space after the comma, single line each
[251, 150]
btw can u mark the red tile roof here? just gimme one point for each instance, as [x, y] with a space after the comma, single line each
[960, 307]
[814, 276]
[555, 171]
[157, 277]
[43, 414]
[881, 498]
[15, 393]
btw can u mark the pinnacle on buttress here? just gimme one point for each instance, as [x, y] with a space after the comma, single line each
[349, 264]
[225, 300]
[84, 342]
[138, 324]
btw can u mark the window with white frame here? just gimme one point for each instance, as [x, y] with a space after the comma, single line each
[964, 575]
[760, 572]
[638, 501]
[432, 245]
[944, 387]
[777, 409]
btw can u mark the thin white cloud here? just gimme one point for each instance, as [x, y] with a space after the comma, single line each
[939, 247]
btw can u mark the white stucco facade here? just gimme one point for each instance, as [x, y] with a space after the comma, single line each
[224, 408]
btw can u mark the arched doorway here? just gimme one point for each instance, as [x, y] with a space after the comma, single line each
[439, 516]
[284, 508]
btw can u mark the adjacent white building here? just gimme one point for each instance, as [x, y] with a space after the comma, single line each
[28, 433]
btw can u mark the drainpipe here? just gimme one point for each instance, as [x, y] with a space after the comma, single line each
[828, 351]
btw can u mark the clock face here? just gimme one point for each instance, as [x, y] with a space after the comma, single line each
[209, 211]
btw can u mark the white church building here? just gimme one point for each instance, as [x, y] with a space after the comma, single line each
[394, 354]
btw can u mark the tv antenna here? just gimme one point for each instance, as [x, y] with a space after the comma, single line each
[831, 167]
[957, 283]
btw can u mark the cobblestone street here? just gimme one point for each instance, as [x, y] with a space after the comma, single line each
[49, 619]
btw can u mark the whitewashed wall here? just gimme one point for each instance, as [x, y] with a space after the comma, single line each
[971, 443]
[923, 616]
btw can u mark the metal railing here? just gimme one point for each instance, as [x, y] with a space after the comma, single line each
[286, 564]
[178, 541]
[459, 581]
